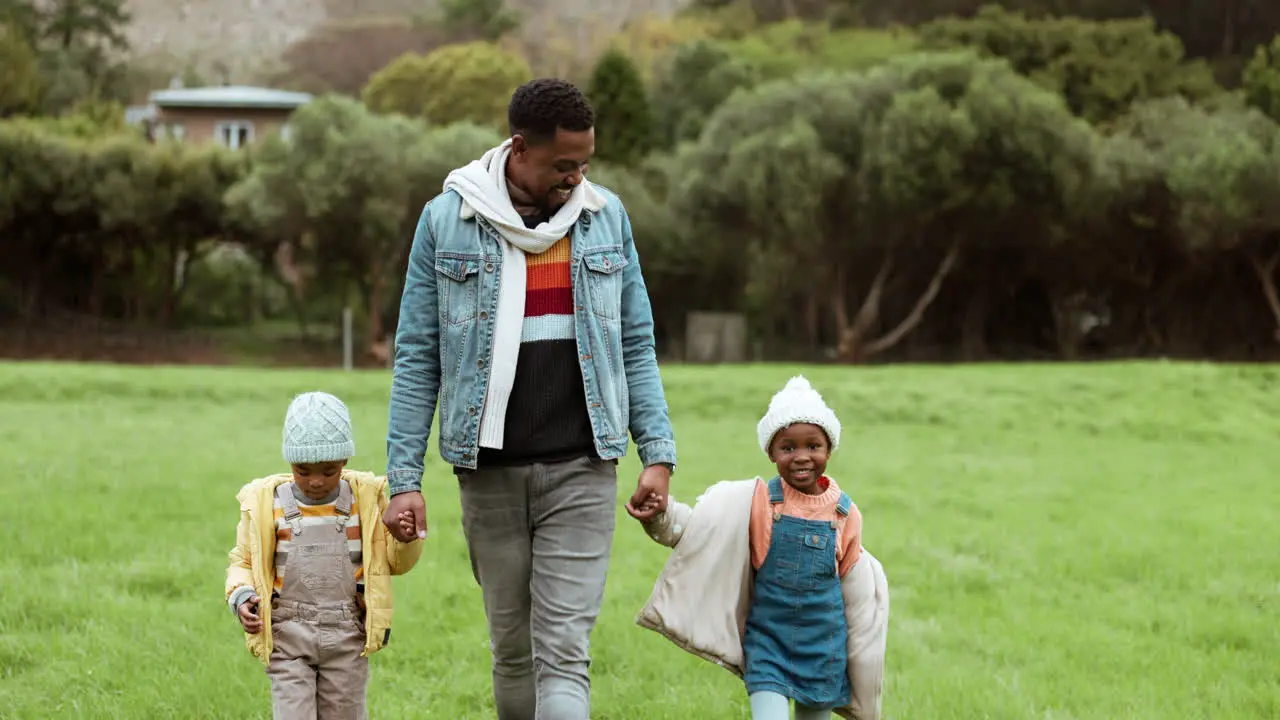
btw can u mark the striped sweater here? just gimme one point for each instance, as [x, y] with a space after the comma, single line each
[547, 418]
[316, 513]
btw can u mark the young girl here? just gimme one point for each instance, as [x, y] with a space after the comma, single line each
[312, 543]
[799, 610]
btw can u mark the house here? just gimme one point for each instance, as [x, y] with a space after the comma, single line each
[234, 115]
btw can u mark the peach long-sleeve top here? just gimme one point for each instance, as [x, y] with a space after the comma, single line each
[808, 507]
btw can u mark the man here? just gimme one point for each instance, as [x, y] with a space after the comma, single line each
[525, 315]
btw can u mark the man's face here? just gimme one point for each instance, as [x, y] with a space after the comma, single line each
[549, 171]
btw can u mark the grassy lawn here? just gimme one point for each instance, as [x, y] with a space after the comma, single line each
[1061, 542]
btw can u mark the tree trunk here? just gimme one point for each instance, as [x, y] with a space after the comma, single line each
[849, 346]
[375, 331]
[170, 286]
[295, 301]
[973, 327]
[1066, 328]
[913, 319]
[812, 321]
[853, 347]
[1266, 271]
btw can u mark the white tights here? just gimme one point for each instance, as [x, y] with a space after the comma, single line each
[772, 706]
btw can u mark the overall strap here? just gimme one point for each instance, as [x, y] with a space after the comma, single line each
[843, 505]
[345, 498]
[775, 497]
[343, 504]
[289, 503]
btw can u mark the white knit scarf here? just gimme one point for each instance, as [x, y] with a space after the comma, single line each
[483, 186]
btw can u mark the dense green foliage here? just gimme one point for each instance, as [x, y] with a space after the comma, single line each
[1005, 183]
[624, 120]
[470, 82]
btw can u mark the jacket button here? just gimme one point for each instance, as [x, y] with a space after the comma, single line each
[480, 362]
[488, 267]
[484, 314]
[471, 410]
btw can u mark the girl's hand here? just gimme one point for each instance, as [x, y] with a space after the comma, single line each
[648, 510]
[248, 614]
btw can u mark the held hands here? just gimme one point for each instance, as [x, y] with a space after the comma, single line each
[650, 497]
[406, 517]
[248, 615]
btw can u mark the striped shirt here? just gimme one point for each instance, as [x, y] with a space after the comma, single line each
[313, 514]
[547, 418]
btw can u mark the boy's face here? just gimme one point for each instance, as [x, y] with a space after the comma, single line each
[318, 480]
[801, 452]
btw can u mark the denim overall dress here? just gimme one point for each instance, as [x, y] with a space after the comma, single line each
[317, 669]
[795, 640]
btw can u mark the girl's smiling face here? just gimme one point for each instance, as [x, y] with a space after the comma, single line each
[801, 452]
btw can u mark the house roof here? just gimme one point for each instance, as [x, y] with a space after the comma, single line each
[237, 96]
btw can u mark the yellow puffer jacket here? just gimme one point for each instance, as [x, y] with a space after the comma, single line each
[253, 557]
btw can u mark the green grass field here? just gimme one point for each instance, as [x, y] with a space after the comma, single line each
[1083, 542]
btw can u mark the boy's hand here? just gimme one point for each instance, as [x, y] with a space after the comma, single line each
[248, 614]
[406, 524]
[413, 504]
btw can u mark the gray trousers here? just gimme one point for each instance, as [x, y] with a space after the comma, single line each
[539, 538]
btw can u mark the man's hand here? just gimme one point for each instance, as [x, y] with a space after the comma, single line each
[248, 614]
[650, 497]
[406, 516]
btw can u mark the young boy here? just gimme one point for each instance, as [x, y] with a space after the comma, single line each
[312, 543]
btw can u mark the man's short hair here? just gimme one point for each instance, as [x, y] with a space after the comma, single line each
[540, 107]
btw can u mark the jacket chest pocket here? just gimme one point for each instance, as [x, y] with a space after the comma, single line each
[458, 287]
[604, 282]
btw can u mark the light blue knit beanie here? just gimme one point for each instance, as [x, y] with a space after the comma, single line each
[317, 428]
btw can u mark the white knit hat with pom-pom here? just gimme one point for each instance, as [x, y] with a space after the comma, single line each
[797, 402]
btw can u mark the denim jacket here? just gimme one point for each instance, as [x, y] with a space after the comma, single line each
[444, 342]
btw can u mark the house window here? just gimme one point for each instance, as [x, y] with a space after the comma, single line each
[286, 132]
[234, 134]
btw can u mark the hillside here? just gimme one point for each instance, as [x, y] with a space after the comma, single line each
[248, 36]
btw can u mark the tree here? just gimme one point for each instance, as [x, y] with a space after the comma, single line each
[489, 19]
[624, 121]
[648, 39]
[1261, 79]
[470, 82]
[20, 86]
[73, 41]
[99, 221]
[701, 76]
[1100, 67]
[96, 24]
[1222, 171]
[784, 49]
[872, 168]
[341, 56]
[346, 189]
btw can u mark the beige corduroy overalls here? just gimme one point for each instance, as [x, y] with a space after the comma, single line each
[317, 670]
